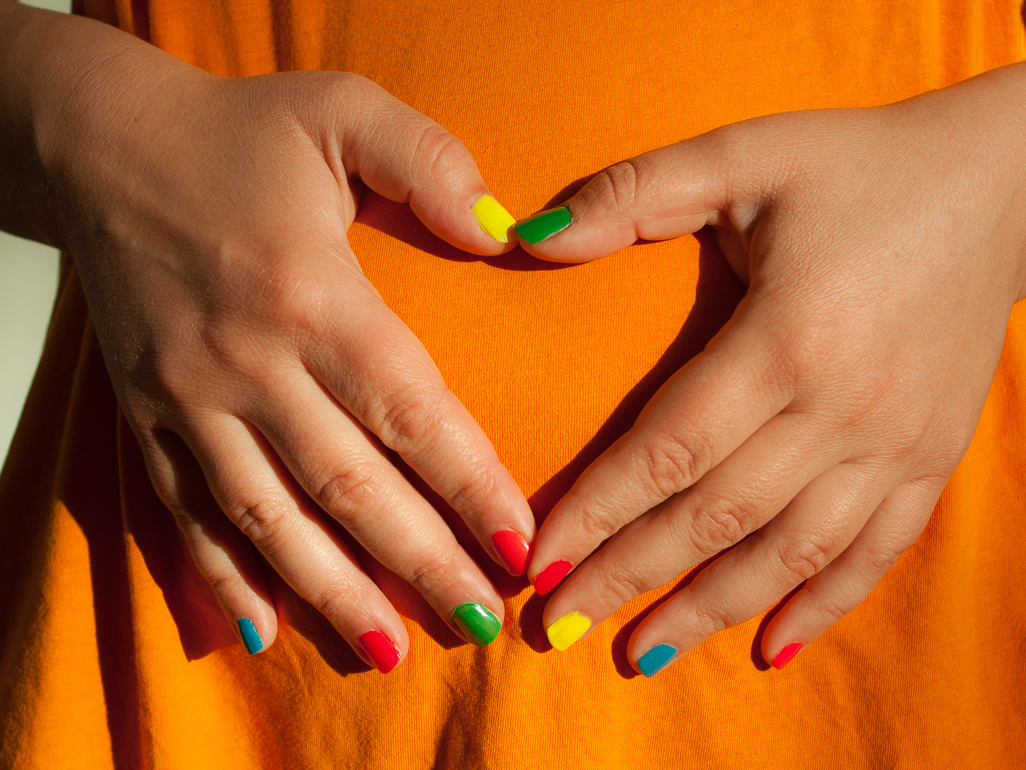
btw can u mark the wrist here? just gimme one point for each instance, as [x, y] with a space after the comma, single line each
[67, 86]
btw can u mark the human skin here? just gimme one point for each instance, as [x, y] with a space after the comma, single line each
[260, 371]
[883, 250]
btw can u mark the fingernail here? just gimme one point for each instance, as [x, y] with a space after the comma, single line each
[250, 637]
[785, 655]
[493, 218]
[549, 577]
[379, 648]
[655, 660]
[544, 225]
[512, 549]
[567, 630]
[477, 622]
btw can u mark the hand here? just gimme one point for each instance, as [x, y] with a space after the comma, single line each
[207, 218]
[809, 442]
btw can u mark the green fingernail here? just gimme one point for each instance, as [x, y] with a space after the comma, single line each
[250, 637]
[477, 622]
[541, 226]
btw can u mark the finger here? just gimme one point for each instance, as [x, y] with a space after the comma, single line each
[263, 504]
[847, 581]
[348, 476]
[665, 193]
[406, 157]
[696, 420]
[736, 498]
[379, 371]
[222, 555]
[812, 531]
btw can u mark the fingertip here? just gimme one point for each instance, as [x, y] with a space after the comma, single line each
[477, 622]
[513, 551]
[493, 218]
[786, 654]
[551, 576]
[251, 638]
[544, 225]
[654, 659]
[380, 650]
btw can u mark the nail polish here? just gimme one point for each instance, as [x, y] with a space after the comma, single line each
[493, 218]
[477, 622]
[544, 225]
[785, 655]
[551, 576]
[567, 630]
[512, 549]
[656, 659]
[249, 635]
[379, 648]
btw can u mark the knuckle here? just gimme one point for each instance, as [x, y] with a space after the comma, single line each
[671, 464]
[624, 582]
[595, 524]
[832, 610]
[721, 524]
[619, 183]
[429, 575]
[444, 156]
[350, 492]
[879, 559]
[472, 491]
[713, 618]
[263, 522]
[801, 559]
[332, 602]
[409, 418]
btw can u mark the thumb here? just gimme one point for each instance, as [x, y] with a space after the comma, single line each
[665, 193]
[406, 157]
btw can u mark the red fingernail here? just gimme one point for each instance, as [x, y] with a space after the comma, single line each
[785, 655]
[549, 577]
[379, 648]
[512, 550]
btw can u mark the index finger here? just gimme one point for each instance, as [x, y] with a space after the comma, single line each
[699, 417]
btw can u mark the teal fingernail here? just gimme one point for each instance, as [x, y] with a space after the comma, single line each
[544, 225]
[477, 622]
[655, 660]
[250, 637]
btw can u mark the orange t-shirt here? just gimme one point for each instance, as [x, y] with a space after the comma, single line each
[114, 653]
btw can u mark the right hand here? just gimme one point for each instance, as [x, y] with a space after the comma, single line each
[207, 217]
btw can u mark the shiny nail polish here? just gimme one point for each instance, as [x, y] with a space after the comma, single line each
[656, 659]
[551, 576]
[249, 635]
[544, 225]
[477, 622]
[785, 655]
[493, 218]
[567, 630]
[379, 648]
[512, 549]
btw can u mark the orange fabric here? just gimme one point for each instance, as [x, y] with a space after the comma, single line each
[114, 653]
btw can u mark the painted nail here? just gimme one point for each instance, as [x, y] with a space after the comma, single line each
[549, 577]
[477, 622]
[250, 637]
[656, 659]
[493, 218]
[567, 630]
[544, 225]
[379, 648]
[785, 655]
[512, 549]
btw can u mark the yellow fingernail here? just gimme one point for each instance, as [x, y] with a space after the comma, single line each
[567, 630]
[493, 218]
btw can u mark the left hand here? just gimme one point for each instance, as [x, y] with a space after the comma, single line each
[883, 249]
